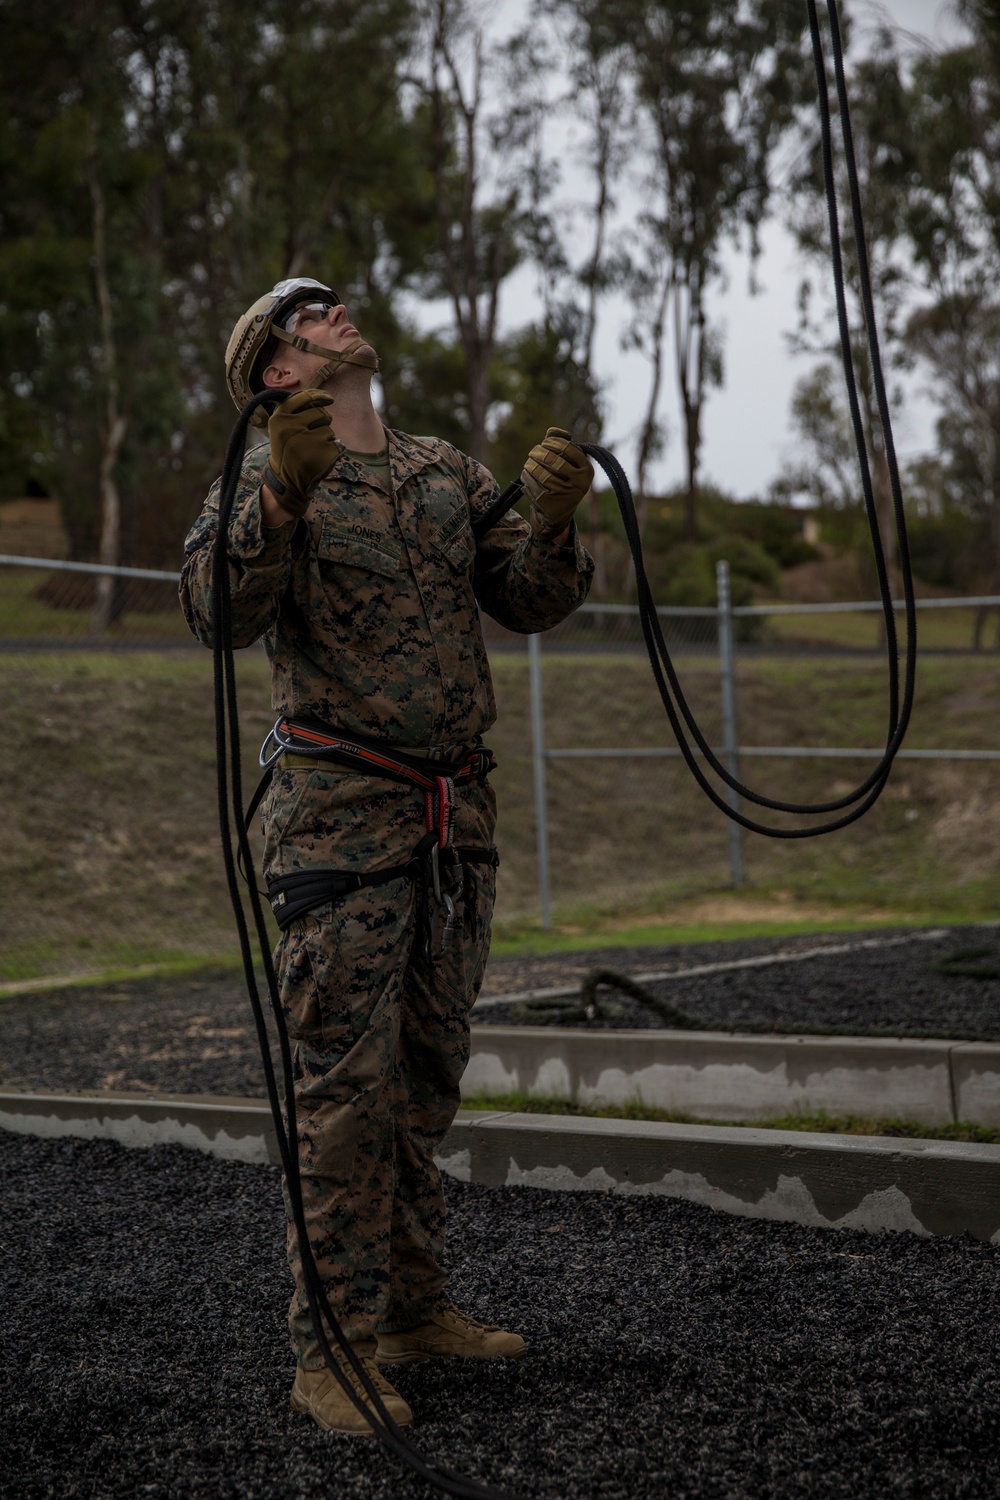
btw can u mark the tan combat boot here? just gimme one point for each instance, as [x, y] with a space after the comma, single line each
[449, 1334]
[320, 1396]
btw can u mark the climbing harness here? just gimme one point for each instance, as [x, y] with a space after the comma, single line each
[246, 346]
[435, 861]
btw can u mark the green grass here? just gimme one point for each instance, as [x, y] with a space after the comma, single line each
[22, 616]
[29, 971]
[180, 966]
[516, 941]
[937, 629]
[110, 854]
[821, 1122]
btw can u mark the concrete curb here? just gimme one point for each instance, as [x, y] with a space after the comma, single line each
[725, 1077]
[235, 1129]
[831, 1181]
[848, 1182]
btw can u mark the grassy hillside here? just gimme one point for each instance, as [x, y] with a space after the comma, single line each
[110, 842]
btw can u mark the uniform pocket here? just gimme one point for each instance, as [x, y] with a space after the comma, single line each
[281, 806]
[358, 566]
[329, 1132]
[315, 996]
[455, 542]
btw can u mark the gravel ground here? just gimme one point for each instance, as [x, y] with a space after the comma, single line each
[673, 1351]
[195, 1035]
[871, 989]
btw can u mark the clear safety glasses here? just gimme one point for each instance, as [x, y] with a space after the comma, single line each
[308, 312]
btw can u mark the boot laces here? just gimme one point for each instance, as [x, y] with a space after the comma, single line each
[465, 1319]
[375, 1375]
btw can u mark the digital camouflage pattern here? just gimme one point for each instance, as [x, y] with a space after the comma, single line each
[380, 1043]
[368, 608]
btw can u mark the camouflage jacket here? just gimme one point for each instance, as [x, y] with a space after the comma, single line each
[368, 606]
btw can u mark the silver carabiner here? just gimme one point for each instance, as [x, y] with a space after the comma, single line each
[435, 874]
[264, 760]
[449, 924]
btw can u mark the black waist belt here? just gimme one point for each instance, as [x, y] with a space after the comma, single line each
[293, 895]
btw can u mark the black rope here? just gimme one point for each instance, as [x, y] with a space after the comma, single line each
[229, 782]
[970, 963]
[856, 803]
[229, 778]
[592, 1007]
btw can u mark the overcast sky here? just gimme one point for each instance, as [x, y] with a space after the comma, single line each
[746, 426]
[746, 431]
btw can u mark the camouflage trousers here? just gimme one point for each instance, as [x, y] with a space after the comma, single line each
[380, 1041]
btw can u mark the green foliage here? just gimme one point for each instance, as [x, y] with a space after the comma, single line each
[756, 539]
[947, 550]
[538, 384]
[231, 146]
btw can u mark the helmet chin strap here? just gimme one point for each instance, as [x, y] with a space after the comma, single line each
[367, 361]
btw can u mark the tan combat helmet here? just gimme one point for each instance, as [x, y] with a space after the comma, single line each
[267, 319]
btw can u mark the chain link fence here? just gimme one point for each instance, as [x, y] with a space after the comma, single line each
[793, 699]
[110, 843]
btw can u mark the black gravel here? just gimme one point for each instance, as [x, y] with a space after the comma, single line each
[885, 991]
[673, 1351]
[194, 1035]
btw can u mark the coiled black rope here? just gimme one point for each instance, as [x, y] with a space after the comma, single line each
[857, 802]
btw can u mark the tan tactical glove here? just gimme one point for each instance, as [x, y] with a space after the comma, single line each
[303, 449]
[556, 476]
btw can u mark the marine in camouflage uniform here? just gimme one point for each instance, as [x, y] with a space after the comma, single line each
[368, 607]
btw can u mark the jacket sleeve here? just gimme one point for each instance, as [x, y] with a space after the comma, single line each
[260, 559]
[523, 583]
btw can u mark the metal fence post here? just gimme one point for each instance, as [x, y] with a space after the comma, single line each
[538, 765]
[729, 740]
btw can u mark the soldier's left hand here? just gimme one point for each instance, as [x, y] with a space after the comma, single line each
[556, 476]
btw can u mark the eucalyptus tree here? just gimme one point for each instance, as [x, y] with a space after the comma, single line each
[715, 85]
[954, 221]
[478, 101]
[166, 160]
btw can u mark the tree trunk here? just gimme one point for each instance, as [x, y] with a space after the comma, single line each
[478, 365]
[115, 424]
[692, 438]
[111, 525]
[648, 435]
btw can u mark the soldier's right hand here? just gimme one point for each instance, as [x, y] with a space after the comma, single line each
[303, 449]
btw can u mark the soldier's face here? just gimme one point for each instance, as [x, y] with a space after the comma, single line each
[324, 324]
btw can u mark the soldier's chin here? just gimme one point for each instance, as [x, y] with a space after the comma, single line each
[364, 348]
